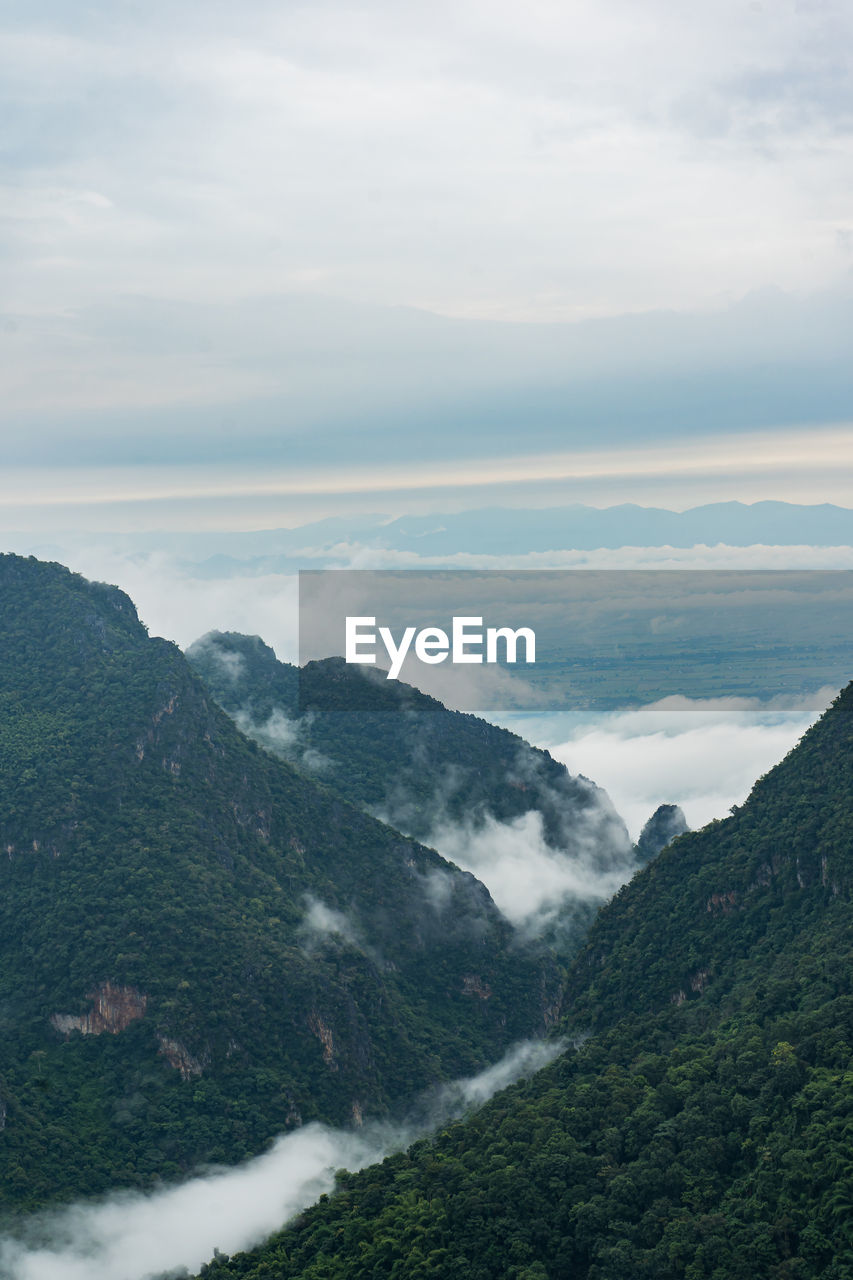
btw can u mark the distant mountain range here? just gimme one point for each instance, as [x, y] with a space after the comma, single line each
[492, 531]
[506, 530]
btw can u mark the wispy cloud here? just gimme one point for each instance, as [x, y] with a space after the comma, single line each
[181, 601]
[802, 464]
[322, 923]
[816, 450]
[537, 879]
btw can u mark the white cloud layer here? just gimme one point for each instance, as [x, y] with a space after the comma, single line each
[704, 755]
[351, 555]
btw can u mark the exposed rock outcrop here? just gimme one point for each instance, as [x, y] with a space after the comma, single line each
[179, 1057]
[114, 1009]
[324, 1035]
[473, 985]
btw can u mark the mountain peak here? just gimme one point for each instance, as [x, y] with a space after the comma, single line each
[667, 822]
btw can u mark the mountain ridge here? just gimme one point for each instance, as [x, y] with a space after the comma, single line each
[491, 530]
[447, 778]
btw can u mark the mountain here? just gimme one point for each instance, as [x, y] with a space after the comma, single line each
[488, 531]
[496, 531]
[199, 946]
[701, 1125]
[511, 531]
[428, 771]
[386, 746]
[667, 822]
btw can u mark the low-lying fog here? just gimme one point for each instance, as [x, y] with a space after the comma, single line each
[131, 1236]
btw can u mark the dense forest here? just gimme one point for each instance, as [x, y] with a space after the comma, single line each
[704, 1126]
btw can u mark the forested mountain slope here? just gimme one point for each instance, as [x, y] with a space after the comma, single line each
[737, 896]
[386, 746]
[199, 946]
[705, 1127]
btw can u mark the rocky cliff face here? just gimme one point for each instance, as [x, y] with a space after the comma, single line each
[114, 1009]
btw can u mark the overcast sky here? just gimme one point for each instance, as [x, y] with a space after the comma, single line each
[266, 261]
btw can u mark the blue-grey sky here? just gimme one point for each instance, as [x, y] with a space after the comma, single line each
[265, 262]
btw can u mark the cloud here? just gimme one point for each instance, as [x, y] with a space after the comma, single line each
[536, 881]
[453, 1099]
[438, 887]
[718, 557]
[280, 481]
[321, 922]
[531, 882]
[133, 1237]
[489, 161]
[230, 664]
[284, 737]
[704, 755]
